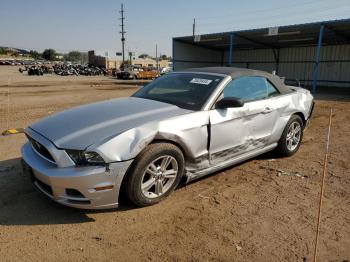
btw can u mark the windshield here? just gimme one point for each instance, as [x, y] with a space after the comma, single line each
[185, 90]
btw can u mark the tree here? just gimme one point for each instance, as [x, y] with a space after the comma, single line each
[163, 57]
[49, 54]
[3, 51]
[34, 54]
[143, 56]
[74, 56]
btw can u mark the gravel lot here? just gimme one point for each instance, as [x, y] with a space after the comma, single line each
[245, 213]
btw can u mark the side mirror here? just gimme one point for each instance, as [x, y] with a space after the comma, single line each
[228, 102]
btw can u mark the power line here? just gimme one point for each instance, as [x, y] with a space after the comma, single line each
[268, 20]
[248, 18]
[264, 10]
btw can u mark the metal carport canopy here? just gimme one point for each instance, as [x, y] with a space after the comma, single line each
[318, 34]
[336, 32]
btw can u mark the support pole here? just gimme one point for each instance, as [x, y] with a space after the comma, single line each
[157, 60]
[317, 61]
[194, 27]
[230, 53]
[276, 54]
[173, 54]
[123, 31]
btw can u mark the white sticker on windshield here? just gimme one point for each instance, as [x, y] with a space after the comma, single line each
[201, 81]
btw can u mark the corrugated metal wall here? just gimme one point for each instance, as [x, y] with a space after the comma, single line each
[295, 63]
[334, 64]
[298, 63]
[189, 56]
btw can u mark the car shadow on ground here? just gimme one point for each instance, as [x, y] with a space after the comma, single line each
[22, 204]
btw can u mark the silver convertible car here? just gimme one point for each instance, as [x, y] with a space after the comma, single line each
[181, 126]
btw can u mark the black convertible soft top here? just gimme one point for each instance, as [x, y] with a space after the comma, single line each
[236, 72]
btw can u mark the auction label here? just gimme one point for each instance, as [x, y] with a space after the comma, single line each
[201, 81]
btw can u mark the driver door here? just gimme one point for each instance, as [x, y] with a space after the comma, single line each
[235, 131]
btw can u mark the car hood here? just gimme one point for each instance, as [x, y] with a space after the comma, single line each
[83, 126]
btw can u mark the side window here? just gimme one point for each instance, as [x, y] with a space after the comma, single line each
[250, 88]
[271, 90]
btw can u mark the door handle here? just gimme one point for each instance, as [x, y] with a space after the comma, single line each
[267, 110]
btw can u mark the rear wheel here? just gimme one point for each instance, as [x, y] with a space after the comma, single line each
[292, 136]
[155, 174]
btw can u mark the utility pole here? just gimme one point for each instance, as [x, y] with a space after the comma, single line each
[157, 58]
[122, 32]
[194, 26]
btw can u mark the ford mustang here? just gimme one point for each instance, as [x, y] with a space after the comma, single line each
[180, 127]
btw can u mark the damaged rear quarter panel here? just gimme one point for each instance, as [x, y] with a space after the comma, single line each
[299, 101]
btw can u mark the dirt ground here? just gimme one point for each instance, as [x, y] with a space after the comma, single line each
[244, 213]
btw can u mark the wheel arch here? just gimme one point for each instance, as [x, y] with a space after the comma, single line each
[163, 140]
[128, 172]
[178, 145]
[301, 115]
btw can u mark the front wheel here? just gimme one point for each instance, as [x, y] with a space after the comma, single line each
[155, 174]
[292, 136]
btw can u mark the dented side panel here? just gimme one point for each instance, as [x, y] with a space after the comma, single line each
[210, 137]
[299, 101]
[228, 132]
[239, 130]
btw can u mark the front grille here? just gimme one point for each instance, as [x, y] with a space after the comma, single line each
[40, 149]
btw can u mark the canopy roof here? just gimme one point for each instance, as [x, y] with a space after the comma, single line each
[336, 32]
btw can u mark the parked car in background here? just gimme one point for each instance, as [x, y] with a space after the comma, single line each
[125, 75]
[137, 72]
[181, 126]
[165, 70]
[146, 74]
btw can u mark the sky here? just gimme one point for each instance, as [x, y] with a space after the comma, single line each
[83, 25]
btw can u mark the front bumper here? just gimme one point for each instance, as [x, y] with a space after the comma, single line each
[75, 186]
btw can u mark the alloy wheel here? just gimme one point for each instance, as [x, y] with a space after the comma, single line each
[293, 136]
[159, 176]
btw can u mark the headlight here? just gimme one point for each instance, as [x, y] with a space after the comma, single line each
[83, 158]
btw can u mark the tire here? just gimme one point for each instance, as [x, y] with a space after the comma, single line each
[145, 188]
[290, 141]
